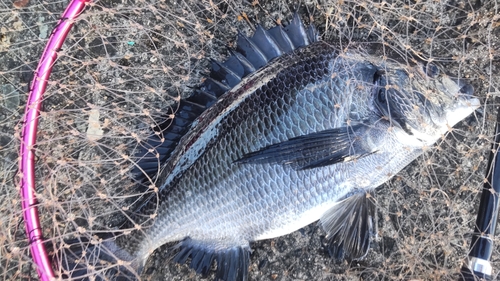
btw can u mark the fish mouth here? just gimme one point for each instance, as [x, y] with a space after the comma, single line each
[466, 93]
[467, 102]
[465, 96]
[465, 89]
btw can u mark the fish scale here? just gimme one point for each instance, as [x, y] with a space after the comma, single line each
[274, 140]
[219, 211]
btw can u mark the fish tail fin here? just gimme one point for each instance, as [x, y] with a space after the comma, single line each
[95, 258]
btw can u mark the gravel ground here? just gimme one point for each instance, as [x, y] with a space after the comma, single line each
[126, 61]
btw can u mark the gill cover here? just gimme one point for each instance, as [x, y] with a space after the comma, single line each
[411, 102]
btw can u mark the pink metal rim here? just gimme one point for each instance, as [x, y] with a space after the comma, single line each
[29, 132]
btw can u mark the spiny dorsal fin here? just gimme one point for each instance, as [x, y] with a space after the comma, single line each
[251, 54]
[159, 145]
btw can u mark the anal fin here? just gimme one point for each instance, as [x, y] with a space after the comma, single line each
[349, 226]
[232, 262]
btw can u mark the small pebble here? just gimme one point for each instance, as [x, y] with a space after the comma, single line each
[21, 3]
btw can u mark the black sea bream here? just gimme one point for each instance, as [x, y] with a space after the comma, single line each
[289, 130]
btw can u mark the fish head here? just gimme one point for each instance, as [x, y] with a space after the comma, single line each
[422, 100]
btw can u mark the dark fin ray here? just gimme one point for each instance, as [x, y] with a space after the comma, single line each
[296, 31]
[349, 226]
[282, 39]
[159, 145]
[315, 150]
[265, 41]
[183, 255]
[251, 51]
[202, 98]
[312, 33]
[223, 73]
[153, 150]
[215, 87]
[84, 259]
[232, 263]
[239, 64]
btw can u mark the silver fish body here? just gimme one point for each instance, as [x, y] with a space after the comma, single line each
[301, 139]
[241, 202]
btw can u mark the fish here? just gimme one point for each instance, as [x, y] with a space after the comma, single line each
[287, 131]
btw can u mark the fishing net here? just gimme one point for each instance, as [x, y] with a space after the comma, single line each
[124, 65]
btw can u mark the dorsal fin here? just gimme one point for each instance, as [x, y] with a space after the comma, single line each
[251, 54]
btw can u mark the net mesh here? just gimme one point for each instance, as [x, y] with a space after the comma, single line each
[124, 65]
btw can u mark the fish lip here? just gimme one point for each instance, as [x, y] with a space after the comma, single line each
[465, 107]
[464, 88]
[466, 96]
[473, 102]
[467, 89]
[460, 82]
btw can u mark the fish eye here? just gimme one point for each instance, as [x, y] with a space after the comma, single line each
[431, 70]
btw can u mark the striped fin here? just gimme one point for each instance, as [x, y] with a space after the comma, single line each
[251, 54]
[315, 150]
[297, 32]
[350, 225]
[232, 262]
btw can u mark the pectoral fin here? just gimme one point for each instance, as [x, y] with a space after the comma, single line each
[317, 149]
[349, 226]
